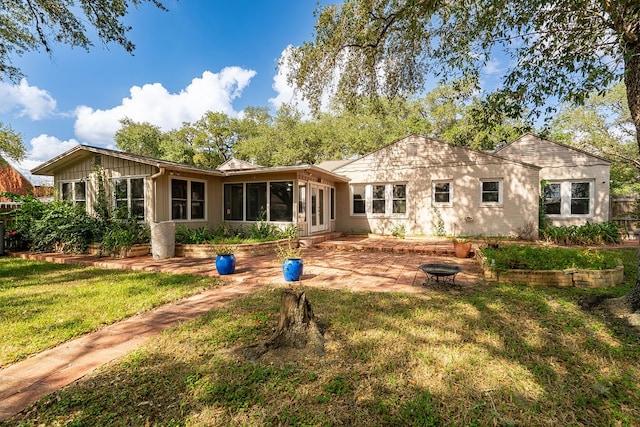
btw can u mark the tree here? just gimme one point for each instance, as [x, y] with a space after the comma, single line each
[563, 48]
[603, 126]
[139, 138]
[28, 25]
[11, 143]
[214, 138]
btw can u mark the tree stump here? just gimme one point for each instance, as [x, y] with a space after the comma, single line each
[297, 328]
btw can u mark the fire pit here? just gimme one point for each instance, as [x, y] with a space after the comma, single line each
[445, 273]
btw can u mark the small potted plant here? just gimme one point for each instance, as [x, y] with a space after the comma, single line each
[462, 247]
[225, 259]
[291, 258]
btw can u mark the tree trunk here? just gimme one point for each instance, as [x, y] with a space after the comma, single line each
[297, 328]
[632, 82]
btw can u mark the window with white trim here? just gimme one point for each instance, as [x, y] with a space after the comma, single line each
[491, 192]
[128, 196]
[359, 197]
[379, 199]
[188, 199]
[75, 192]
[442, 193]
[569, 198]
[261, 201]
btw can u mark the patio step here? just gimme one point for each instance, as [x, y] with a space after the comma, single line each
[308, 241]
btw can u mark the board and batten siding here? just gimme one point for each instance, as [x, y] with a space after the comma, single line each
[561, 163]
[418, 162]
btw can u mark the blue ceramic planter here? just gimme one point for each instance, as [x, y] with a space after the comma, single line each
[292, 269]
[225, 264]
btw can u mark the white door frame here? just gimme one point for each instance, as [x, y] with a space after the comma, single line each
[318, 208]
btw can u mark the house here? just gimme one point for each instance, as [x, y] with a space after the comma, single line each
[577, 183]
[12, 181]
[419, 184]
[430, 187]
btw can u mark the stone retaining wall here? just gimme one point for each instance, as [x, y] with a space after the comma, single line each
[563, 278]
[244, 249]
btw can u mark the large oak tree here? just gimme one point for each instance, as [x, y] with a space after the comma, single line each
[557, 49]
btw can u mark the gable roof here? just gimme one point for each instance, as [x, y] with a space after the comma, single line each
[12, 181]
[82, 151]
[568, 147]
[234, 164]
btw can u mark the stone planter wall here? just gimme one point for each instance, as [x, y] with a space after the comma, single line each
[141, 249]
[243, 250]
[564, 278]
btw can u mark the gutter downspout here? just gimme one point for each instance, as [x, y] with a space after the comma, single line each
[155, 190]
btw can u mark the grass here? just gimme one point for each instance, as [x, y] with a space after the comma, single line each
[492, 355]
[44, 304]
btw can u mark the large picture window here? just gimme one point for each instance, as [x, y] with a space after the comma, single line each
[129, 197]
[261, 201]
[188, 200]
[233, 202]
[75, 192]
[281, 201]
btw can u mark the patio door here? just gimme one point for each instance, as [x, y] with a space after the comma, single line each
[318, 214]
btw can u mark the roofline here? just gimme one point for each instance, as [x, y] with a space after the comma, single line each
[442, 142]
[151, 161]
[296, 168]
[579, 150]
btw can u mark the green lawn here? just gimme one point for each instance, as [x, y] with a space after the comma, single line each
[44, 304]
[492, 355]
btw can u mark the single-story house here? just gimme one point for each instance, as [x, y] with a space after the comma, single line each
[421, 184]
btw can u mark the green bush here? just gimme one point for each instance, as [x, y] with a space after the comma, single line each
[587, 234]
[527, 257]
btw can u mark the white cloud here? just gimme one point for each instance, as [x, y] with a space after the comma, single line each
[30, 101]
[493, 67]
[154, 104]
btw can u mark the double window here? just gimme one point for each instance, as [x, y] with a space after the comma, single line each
[568, 198]
[379, 199]
[128, 196]
[75, 192]
[255, 201]
[188, 200]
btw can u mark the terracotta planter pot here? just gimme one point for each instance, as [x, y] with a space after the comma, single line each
[462, 249]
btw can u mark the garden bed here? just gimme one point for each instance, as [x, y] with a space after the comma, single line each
[567, 277]
[241, 249]
[140, 249]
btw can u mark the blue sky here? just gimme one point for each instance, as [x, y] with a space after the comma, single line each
[201, 55]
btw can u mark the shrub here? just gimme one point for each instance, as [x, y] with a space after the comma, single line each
[527, 257]
[587, 234]
[121, 234]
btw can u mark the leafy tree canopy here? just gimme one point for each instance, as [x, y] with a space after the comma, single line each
[560, 48]
[11, 143]
[30, 25]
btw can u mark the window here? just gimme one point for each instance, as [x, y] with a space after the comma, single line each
[256, 201]
[187, 199]
[442, 193]
[302, 202]
[491, 192]
[333, 203]
[568, 198]
[75, 192]
[399, 199]
[281, 201]
[379, 200]
[552, 199]
[580, 196]
[359, 198]
[233, 202]
[129, 197]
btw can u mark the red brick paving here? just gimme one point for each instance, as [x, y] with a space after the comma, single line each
[379, 265]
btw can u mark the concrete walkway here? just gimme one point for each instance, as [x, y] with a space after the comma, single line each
[354, 263]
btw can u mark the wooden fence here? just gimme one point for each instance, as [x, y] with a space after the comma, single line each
[621, 211]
